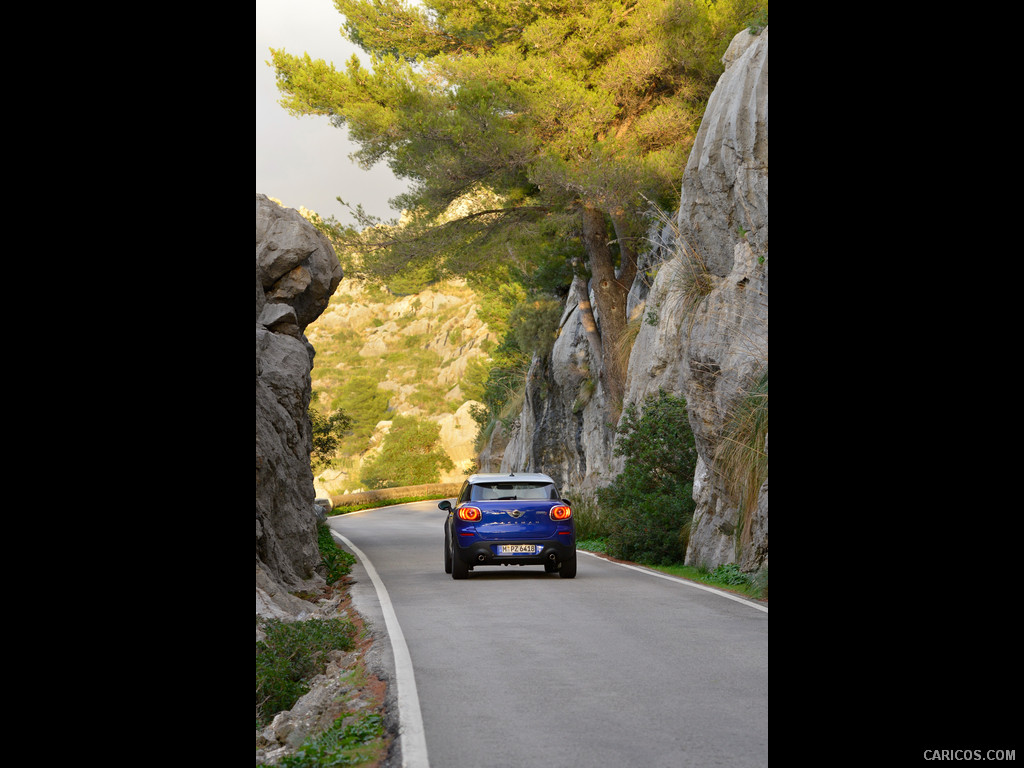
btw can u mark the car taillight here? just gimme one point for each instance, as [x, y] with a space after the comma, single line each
[470, 514]
[561, 512]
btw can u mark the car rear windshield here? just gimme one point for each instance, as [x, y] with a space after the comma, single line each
[512, 491]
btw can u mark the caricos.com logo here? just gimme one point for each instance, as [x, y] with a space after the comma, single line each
[970, 754]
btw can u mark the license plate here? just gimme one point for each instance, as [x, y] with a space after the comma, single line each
[517, 549]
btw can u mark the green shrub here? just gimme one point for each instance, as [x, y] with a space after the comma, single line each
[730, 573]
[648, 508]
[291, 654]
[339, 745]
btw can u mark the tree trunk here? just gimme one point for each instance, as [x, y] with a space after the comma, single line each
[610, 300]
[627, 251]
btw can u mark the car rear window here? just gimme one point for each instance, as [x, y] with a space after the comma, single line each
[512, 491]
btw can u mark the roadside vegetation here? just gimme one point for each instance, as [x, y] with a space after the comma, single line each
[644, 515]
[292, 653]
[725, 576]
[648, 508]
[355, 744]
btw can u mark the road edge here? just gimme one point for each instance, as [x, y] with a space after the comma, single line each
[411, 733]
[687, 582]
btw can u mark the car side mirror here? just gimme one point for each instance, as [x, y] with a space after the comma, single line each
[445, 505]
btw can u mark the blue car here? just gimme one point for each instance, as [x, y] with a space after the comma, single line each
[509, 519]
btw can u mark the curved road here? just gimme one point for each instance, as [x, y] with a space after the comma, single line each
[618, 667]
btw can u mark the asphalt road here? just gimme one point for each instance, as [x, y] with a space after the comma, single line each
[617, 668]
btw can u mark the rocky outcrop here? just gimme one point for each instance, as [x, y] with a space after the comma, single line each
[699, 308]
[723, 223]
[296, 273]
[713, 352]
[725, 184]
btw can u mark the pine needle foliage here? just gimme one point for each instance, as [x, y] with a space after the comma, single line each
[519, 123]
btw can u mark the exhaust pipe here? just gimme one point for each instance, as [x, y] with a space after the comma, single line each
[551, 556]
[481, 558]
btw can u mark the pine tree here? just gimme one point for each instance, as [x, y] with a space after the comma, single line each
[517, 121]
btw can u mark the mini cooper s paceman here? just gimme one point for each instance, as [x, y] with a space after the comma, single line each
[509, 519]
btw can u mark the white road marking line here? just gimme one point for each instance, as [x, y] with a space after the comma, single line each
[411, 732]
[676, 579]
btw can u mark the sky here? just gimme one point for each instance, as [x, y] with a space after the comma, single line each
[303, 161]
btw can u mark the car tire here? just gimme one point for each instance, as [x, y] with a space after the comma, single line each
[459, 569]
[447, 553]
[568, 569]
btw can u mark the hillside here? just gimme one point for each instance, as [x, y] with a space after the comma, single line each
[380, 356]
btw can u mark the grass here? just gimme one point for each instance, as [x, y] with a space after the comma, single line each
[742, 456]
[292, 653]
[726, 576]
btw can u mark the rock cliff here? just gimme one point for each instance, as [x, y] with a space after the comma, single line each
[710, 297]
[699, 308]
[296, 273]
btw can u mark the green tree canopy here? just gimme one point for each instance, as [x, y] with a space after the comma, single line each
[520, 124]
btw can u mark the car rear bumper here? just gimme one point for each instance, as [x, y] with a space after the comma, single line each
[479, 552]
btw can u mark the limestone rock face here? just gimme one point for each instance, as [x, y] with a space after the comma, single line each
[725, 212]
[712, 347]
[725, 184]
[296, 272]
[458, 439]
[712, 353]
